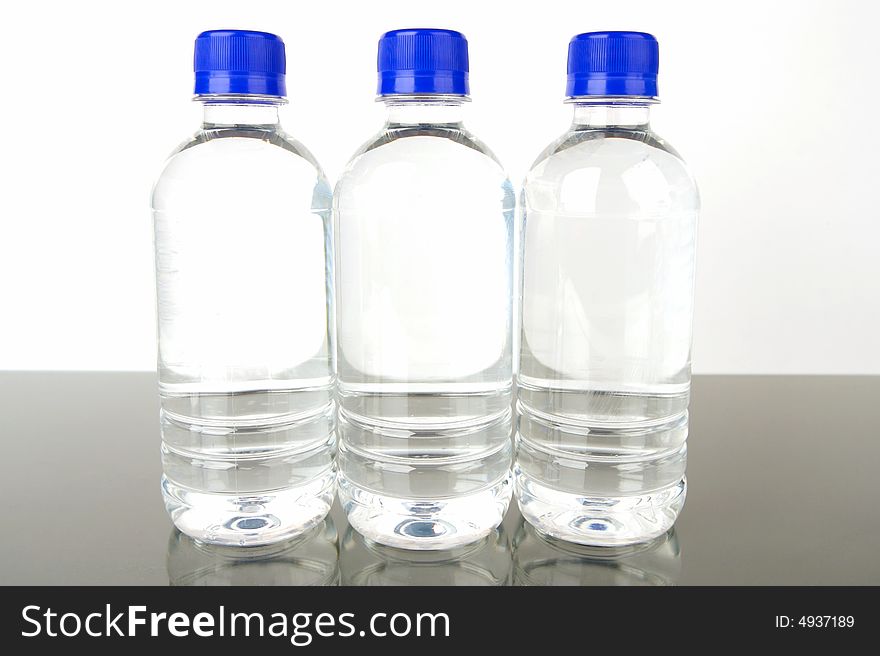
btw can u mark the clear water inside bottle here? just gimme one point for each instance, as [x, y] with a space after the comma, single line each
[424, 282]
[244, 285]
[607, 302]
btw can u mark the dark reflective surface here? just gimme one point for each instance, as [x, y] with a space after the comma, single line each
[783, 474]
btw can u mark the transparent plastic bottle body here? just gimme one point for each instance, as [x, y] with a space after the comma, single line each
[244, 285]
[424, 279]
[609, 226]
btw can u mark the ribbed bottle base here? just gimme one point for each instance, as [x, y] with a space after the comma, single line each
[250, 519]
[425, 524]
[598, 521]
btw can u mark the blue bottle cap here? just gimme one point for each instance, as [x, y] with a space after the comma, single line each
[423, 61]
[239, 62]
[613, 64]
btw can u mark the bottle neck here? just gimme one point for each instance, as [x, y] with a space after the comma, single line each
[229, 111]
[612, 113]
[424, 110]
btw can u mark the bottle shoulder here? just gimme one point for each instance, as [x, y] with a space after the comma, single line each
[240, 147]
[439, 136]
[604, 169]
[424, 155]
[224, 160]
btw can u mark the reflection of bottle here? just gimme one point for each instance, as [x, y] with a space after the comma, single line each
[309, 559]
[540, 560]
[486, 562]
[424, 219]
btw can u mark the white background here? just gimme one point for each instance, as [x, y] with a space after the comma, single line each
[774, 105]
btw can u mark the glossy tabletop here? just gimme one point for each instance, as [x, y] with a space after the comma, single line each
[783, 474]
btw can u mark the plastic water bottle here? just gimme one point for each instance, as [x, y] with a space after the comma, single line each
[244, 277]
[610, 214]
[423, 280]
